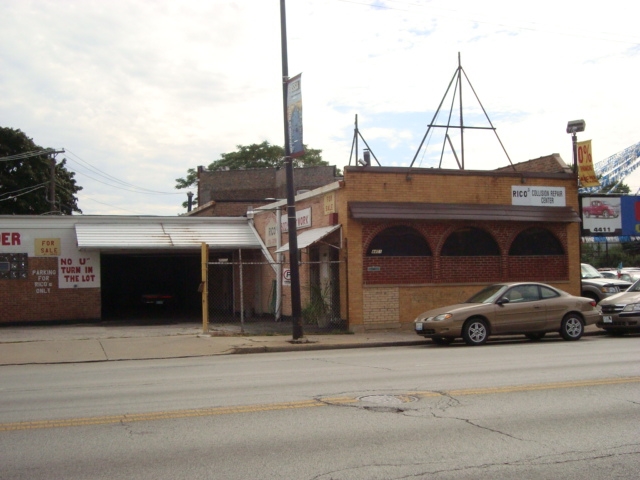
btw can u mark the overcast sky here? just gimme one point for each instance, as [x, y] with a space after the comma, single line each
[137, 91]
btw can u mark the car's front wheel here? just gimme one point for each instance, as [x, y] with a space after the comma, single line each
[475, 332]
[572, 327]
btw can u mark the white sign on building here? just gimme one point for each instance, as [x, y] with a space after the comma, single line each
[538, 196]
[303, 220]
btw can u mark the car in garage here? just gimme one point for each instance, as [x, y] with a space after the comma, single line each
[157, 299]
[621, 312]
[528, 308]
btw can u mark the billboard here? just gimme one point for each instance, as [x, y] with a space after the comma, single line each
[608, 215]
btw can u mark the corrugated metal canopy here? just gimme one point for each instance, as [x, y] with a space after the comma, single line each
[309, 237]
[165, 234]
[449, 211]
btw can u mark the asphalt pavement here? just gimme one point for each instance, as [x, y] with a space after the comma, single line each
[112, 341]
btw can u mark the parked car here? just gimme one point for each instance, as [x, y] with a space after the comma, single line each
[608, 273]
[621, 312]
[625, 276]
[157, 299]
[598, 208]
[532, 309]
[596, 286]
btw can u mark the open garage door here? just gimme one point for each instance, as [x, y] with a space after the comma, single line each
[151, 286]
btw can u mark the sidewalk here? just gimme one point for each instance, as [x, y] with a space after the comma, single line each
[98, 343]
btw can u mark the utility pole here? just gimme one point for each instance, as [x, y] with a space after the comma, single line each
[52, 183]
[296, 307]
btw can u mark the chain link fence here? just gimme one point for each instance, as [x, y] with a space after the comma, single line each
[243, 297]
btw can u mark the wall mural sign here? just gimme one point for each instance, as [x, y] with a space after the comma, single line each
[75, 269]
[78, 271]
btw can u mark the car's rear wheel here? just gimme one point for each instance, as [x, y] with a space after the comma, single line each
[475, 331]
[442, 340]
[572, 327]
[535, 336]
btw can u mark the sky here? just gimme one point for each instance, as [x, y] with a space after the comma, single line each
[137, 91]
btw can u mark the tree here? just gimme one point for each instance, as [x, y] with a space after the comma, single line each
[621, 188]
[257, 155]
[25, 181]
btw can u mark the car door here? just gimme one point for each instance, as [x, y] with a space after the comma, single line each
[524, 311]
[555, 305]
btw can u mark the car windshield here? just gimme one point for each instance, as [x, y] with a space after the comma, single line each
[635, 287]
[488, 294]
[588, 271]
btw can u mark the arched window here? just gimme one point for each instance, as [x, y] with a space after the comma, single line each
[536, 241]
[470, 241]
[399, 241]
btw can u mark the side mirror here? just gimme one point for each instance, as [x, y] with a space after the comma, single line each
[502, 301]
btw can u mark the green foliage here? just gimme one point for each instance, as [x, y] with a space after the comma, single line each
[622, 188]
[24, 183]
[257, 155]
[317, 311]
[601, 255]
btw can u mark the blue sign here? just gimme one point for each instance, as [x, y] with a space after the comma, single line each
[630, 207]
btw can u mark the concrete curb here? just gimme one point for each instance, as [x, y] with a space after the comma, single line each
[321, 346]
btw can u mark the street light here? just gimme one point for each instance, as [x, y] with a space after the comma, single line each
[573, 127]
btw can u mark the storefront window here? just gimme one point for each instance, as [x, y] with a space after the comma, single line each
[470, 242]
[536, 241]
[399, 241]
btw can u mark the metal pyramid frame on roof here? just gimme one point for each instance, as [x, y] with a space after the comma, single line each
[457, 76]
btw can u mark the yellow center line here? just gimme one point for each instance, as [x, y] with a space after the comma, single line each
[545, 386]
[207, 412]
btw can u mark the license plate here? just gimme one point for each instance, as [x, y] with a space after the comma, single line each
[607, 319]
[418, 326]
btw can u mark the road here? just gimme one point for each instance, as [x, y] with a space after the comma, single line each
[511, 409]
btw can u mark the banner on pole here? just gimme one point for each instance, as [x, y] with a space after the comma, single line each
[586, 173]
[294, 116]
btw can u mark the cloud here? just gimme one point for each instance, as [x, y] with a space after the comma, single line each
[146, 90]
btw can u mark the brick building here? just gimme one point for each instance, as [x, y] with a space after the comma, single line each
[413, 239]
[376, 247]
[224, 193]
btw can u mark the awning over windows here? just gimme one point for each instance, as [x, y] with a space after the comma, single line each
[181, 233]
[309, 237]
[449, 211]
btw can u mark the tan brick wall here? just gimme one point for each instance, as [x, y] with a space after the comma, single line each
[382, 307]
[439, 186]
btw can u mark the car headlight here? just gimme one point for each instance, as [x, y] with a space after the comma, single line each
[632, 307]
[609, 289]
[439, 318]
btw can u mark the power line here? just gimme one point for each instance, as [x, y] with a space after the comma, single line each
[97, 171]
[24, 155]
[20, 194]
[25, 188]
